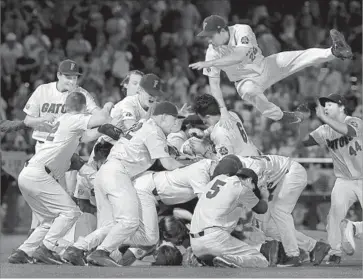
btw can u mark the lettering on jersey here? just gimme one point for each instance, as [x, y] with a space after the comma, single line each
[53, 108]
[354, 124]
[156, 82]
[245, 40]
[223, 150]
[338, 143]
[252, 53]
[128, 114]
[80, 192]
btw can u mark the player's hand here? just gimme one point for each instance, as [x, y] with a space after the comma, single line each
[49, 117]
[320, 111]
[47, 127]
[108, 106]
[195, 132]
[200, 65]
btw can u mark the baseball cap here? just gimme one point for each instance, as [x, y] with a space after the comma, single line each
[211, 25]
[335, 98]
[167, 108]
[152, 85]
[69, 67]
[194, 120]
[228, 165]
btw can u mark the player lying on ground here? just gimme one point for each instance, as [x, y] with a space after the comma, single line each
[343, 136]
[234, 49]
[38, 181]
[284, 180]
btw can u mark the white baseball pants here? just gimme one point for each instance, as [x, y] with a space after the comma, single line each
[219, 242]
[277, 67]
[52, 206]
[345, 192]
[278, 222]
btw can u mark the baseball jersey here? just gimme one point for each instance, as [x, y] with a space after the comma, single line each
[141, 146]
[232, 141]
[252, 65]
[345, 151]
[85, 182]
[177, 139]
[46, 99]
[221, 204]
[270, 169]
[57, 151]
[183, 184]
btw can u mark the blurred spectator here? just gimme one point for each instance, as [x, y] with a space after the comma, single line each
[190, 21]
[179, 85]
[288, 34]
[14, 23]
[266, 40]
[25, 66]
[94, 28]
[198, 88]
[117, 26]
[36, 42]
[214, 7]
[78, 47]
[121, 59]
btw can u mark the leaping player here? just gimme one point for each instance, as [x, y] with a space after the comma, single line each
[234, 49]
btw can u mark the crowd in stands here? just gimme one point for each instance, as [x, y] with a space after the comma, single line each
[110, 38]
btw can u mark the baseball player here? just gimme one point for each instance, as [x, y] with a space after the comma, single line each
[234, 49]
[225, 141]
[48, 102]
[216, 215]
[348, 231]
[130, 85]
[284, 179]
[342, 135]
[114, 190]
[38, 181]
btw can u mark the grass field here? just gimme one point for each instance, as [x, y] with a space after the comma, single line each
[350, 267]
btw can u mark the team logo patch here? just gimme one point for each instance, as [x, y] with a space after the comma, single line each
[245, 40]
[354, 124]
[209, 69]
[80, 191]
[156, 82]
[223, 150]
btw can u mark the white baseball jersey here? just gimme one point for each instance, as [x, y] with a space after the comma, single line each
[46, 99]
[221, 204]
[141, 146]
[241, 35]
[85, 182]
[183, 184]
[270, 169]
[56, 154]
[346, 151]
[177, 139]
[232, 141]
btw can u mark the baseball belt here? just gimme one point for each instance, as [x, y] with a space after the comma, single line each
[48, 171]
[202, 233]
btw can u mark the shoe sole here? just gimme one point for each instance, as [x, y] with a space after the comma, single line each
[219, 262]
[18, 261]
[44, 259]
[102, 262]
[347, 247]
[325, 252]
[73, 260]
[337, 36]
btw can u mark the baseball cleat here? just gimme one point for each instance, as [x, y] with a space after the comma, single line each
[222, 262]
[334, 259]
[101, 258]
[319, 252]
[290, 262]
[270, 250]
[340, 48]
[19, 257]
[44, 255]
[290, 117]
[347, 235]
[74, 256]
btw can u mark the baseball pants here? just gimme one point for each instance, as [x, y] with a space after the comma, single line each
[52, 206]
[345, 192]
[279, 223]
[219, 242]
[277, 67]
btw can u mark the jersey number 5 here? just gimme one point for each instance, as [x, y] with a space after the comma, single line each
[215, 189]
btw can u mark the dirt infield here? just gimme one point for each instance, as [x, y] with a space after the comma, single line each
[350, 267]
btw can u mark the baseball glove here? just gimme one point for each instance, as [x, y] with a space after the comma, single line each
[110, 130]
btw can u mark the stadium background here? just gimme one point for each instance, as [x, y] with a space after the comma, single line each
[110, 38]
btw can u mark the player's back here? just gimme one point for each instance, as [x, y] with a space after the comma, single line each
[57, 150]
[219, 206]
[133, 148]
[129, 108]
[232, 141]
[346, 152]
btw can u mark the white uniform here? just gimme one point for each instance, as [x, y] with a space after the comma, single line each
[285, 180]
[38, 182]
[170, 187]
[114, 190]
[254, 74]
[46, 99]
[215, 217]
[232, 141]
[347, 155]
[177, 139]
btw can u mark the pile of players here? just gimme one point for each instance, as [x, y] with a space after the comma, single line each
[150, 155]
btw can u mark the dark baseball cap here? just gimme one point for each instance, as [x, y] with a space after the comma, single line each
[246, 172]
[334, 98]
[211, 25]
[194, 120]
[228, 165]
[69, 67]
[152, 85]
[167, 108]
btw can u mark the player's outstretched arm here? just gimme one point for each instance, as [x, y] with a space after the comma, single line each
[40, 123]
[100, 117]
[170, 163]
[237, 56]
